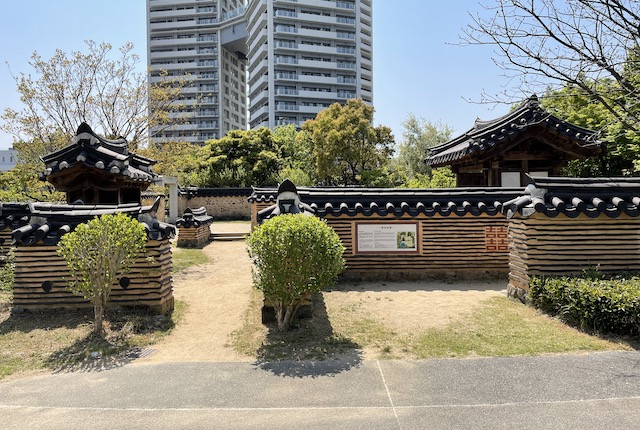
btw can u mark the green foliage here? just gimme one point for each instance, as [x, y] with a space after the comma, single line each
[242, 158]
[93, 86]
[622, 145]
[592, 302]
[21, 184]
[293, 257]
[97, 253]
[177, 159]
[441, 177]
[298, 176]
[7, 269]
[345, 146]
[417, 137]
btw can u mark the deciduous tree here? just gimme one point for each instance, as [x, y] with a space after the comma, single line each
[97, 253]
[418, 136]
[242, 158]
[589, 45]
[107, 93]
[346, 147]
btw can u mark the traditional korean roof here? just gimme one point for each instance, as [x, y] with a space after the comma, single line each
[191, 192]
[353, 201]
[193, 218]
[49, 222]
[575, 196]
[13, 215]
[486, 135]
[95, 153]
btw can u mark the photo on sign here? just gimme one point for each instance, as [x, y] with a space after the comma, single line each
[406, 239]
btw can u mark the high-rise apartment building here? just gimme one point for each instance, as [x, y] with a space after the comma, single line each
[259, 62]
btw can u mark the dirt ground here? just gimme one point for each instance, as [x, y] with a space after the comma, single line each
[218, 294]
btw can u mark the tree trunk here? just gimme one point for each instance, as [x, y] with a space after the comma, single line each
[98, 313]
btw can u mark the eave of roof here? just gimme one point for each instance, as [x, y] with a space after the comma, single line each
[572, 197]
[485, 135]
[398, 201]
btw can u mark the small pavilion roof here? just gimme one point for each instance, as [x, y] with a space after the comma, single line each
[572, 197]
[486, 135]
[91, 151]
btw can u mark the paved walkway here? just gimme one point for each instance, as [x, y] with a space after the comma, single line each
[591, 391]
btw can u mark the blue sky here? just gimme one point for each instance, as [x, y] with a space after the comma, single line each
[419, 66]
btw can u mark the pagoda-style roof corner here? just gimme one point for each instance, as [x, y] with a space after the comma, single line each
[91, 154]
[495, 136]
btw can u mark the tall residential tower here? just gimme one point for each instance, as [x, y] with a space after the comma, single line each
[261, 62]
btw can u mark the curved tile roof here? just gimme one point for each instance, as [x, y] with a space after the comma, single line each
[354, 201]
[572, 197]
[194, 218]
[49, 222]
[485, 135]
[97, 153]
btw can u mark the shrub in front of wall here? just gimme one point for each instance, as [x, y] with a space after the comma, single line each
[293, 256]
[594, 303]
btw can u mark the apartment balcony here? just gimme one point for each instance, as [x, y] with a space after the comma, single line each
[260, 39]
[319, 34]
[171, 13]
[158, 3]
[286, 107]
[184, 127]
[316, 64]
[173, 42]
[174, 66]
[317, 79]
[287, 92]
[172, 54]
[172, 25]
[287, 76]
[264, 110]
[311, 109]
[261, 82]
[327, 95]
[260, 97]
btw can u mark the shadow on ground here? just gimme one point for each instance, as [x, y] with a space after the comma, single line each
[309, 349]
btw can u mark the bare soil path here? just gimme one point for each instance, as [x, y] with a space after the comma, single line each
[218, 294]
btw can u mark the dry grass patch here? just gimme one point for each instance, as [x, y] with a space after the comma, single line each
[62, 339]
[494, 326]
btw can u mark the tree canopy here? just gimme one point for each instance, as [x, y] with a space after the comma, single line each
[242, 158]
[418, 136]
[591, 46]
[93, 87]
[97, 253]
[346, 148]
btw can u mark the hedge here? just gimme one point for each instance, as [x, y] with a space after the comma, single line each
[608, 305]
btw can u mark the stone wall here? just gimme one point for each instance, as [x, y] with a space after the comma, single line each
[221, 203]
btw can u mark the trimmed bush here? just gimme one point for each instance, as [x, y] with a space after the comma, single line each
[293, 257]
[590, 302]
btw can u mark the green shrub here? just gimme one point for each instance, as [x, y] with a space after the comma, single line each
[591, 302]
[293, 256]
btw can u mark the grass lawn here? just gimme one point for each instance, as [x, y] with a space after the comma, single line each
[499, 327]
[184, 258]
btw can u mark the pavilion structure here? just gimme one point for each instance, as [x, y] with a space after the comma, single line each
[99, 176]
[501, 152]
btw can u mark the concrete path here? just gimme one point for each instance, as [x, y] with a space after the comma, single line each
[591, 391]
